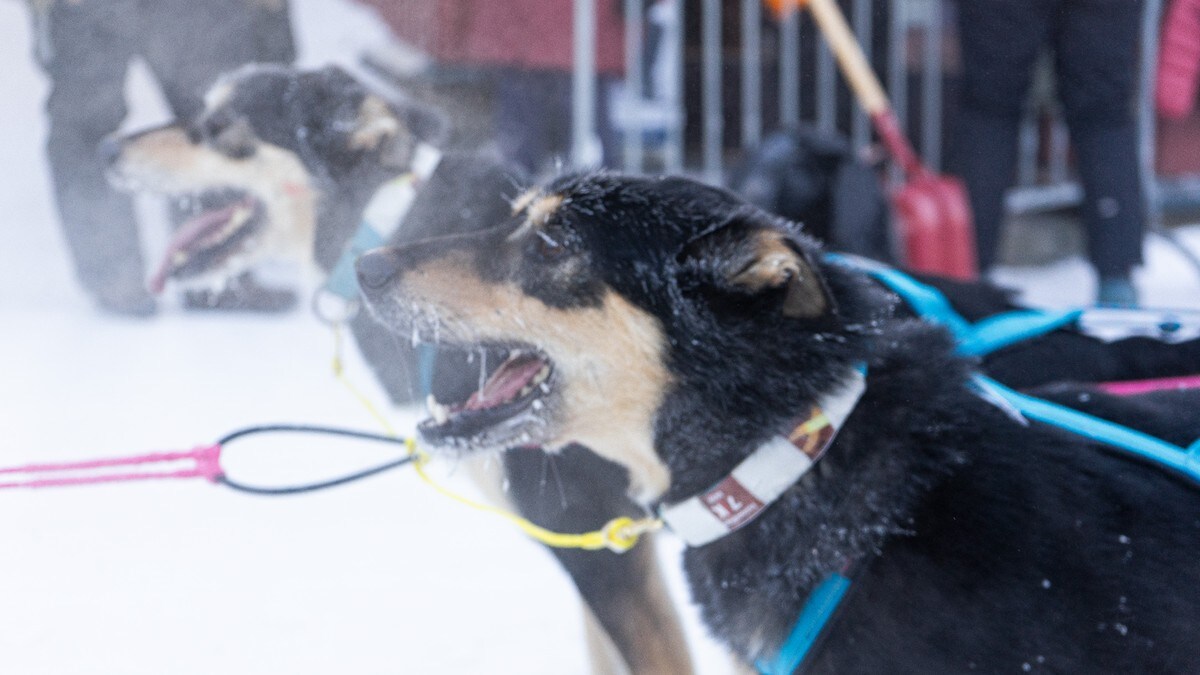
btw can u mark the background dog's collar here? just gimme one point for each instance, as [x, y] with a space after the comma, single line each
[385, 211]
[382, 217]
[763, 476]
[425, 161]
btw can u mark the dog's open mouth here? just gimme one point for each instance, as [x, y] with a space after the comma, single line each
[509, 408]
[223, 223]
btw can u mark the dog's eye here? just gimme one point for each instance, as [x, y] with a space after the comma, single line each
[212, 125]
[549, 246]
[238, 148]
[229, 135]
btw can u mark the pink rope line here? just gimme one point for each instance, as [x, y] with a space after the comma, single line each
[1134, 387]
[206, 464]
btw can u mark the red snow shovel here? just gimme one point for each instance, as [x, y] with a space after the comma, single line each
[935, 219]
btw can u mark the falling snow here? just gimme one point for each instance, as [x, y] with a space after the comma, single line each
[384, 576]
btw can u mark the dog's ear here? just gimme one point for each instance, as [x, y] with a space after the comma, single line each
[393, 129]
[376, 125]
[752, 258]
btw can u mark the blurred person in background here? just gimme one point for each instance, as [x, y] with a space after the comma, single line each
[530, 42]
[1095, 45]
[85, 47]
[520, 54]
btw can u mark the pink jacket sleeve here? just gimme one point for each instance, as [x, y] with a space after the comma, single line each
[1179, 60]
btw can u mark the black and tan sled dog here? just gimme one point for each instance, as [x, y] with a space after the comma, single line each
[281, 164]
[696, 341]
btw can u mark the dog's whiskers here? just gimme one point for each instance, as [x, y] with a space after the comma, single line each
[562, 493]
[482, 368]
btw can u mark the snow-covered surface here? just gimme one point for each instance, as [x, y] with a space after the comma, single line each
[381, 577]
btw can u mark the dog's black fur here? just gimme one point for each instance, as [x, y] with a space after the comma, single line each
[980, 543]
[313, 115]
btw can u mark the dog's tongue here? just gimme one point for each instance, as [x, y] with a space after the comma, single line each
[187, 235]
[504, 384]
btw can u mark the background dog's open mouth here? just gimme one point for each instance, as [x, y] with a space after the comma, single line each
[500, 410]
[224, 221]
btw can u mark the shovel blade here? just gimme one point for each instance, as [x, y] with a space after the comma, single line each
[936, 227]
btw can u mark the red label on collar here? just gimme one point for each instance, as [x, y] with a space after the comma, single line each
[731, 503]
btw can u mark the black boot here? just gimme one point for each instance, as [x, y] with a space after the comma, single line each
[130, 300]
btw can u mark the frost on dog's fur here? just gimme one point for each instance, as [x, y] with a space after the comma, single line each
[700, 327]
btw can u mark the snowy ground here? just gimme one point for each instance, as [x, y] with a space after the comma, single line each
[381, 577]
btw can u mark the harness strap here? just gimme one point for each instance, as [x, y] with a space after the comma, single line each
[1002, 330]
[382, 217]
[1134, 387]
[1185, 461]
[925, 300]
[996, 332]
[824, 600]
[818, 609]
[976, 340]
[980, 339]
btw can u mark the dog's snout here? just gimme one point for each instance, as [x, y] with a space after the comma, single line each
[376, 268]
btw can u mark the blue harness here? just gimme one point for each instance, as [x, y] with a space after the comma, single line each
[978, 339]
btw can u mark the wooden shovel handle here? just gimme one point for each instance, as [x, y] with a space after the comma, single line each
[865, 84]
[850, 56]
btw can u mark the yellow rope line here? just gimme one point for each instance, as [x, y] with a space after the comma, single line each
[619, 534]
[339, 372]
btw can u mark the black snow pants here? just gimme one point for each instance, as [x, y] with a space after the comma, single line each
[1095, 55]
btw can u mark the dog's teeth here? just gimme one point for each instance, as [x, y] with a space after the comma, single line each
[541, 375]
[437, 411]
[526, 390]
[538, 405]
[239, 216]
[544, 387]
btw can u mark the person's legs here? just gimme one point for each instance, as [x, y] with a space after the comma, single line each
[611, 149]
[86, 60]
[528, 108]
[1000, 41]
[1096, 47]
[189, 44]
[533, 118]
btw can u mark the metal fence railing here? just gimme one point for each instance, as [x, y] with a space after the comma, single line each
[720, 61]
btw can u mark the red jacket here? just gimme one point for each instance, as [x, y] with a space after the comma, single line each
[532, 34]
[1179, 60]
